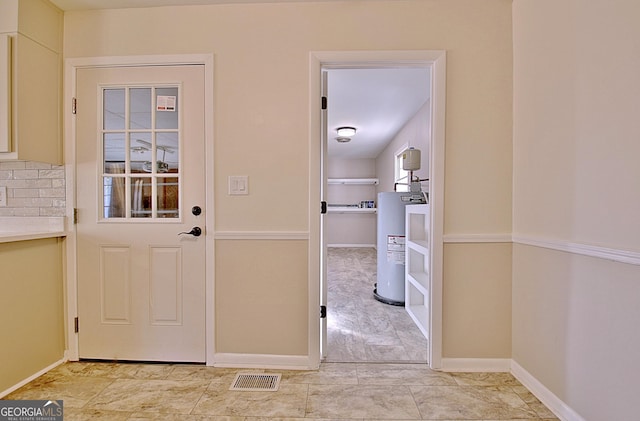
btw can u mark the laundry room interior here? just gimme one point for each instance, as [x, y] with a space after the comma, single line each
[378, 132]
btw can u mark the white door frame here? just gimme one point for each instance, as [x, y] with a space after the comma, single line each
[71, 67]
[436, 60]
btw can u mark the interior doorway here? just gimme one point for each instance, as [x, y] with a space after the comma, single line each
[386, 110]
[318, 256]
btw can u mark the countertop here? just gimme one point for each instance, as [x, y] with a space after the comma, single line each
[14, 228]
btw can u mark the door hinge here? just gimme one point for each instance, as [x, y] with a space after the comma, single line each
[75, 216]
[74, 105]
[323, 207]
[324, 103]
[323, 312]
[75, 325]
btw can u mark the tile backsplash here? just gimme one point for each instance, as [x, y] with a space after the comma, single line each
[33, 189]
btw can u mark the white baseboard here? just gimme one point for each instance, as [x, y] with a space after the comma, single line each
[32, 377]
[487, 365]
[281, 362]
[547, 397]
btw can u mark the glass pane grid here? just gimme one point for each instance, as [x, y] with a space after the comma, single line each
[135, 130]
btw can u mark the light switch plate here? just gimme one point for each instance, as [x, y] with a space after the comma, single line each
[238, 185]
[3, 196]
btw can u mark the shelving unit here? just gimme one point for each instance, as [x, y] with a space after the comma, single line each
[351, 208]
[372, 181]
[348, 224]
[417, 265]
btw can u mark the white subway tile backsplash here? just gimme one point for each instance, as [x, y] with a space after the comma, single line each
[26, 174]
[52, 192]
[29, 183]
[59, 173]
[38, 165]
[33, 189]
[52, 212]
[17, 193]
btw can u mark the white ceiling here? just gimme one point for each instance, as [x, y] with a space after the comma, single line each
[378, 102]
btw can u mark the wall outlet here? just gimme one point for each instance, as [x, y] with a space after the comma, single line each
[3, 195]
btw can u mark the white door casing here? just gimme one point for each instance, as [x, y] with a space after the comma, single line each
[323, 233]
[436, 60]
[141, 286]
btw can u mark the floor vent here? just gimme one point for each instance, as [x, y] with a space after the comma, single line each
[256, 382]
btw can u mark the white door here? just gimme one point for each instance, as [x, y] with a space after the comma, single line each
[140, 192]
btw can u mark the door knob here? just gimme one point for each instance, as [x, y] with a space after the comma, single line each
[196, 210]
[195, 231]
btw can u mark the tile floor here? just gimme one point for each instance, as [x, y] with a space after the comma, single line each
[360, 328]
[337, 391]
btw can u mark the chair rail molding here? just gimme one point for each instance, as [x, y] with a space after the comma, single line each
[616, 255]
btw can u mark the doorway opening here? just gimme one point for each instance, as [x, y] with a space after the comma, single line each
[435, 60]
[389, 110]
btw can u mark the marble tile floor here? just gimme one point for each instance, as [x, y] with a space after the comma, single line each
[360, 328]
[337, 391]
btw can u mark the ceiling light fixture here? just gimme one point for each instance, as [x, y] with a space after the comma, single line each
[342, 139]
[346, 131]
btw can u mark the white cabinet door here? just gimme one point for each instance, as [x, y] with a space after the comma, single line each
[5, 93]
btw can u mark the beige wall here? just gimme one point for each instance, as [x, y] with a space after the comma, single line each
[256, 282]
[576, 131]
[262, 120]
[31, 308]
[476, 315]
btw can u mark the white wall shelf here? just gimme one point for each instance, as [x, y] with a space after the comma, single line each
[349, 209]
[371, 181]
[351, 186]
[417, 265]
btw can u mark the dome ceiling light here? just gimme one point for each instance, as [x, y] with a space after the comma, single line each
[345, 133]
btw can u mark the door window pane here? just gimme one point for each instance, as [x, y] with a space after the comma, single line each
[113, 115]
[168, 197]
[113, 153]
[167, 108]
[140, 108]
[140, 152]
[113, 196]
[167, 151]
[141, 206]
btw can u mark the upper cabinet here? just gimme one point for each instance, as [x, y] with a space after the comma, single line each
[31, 71]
